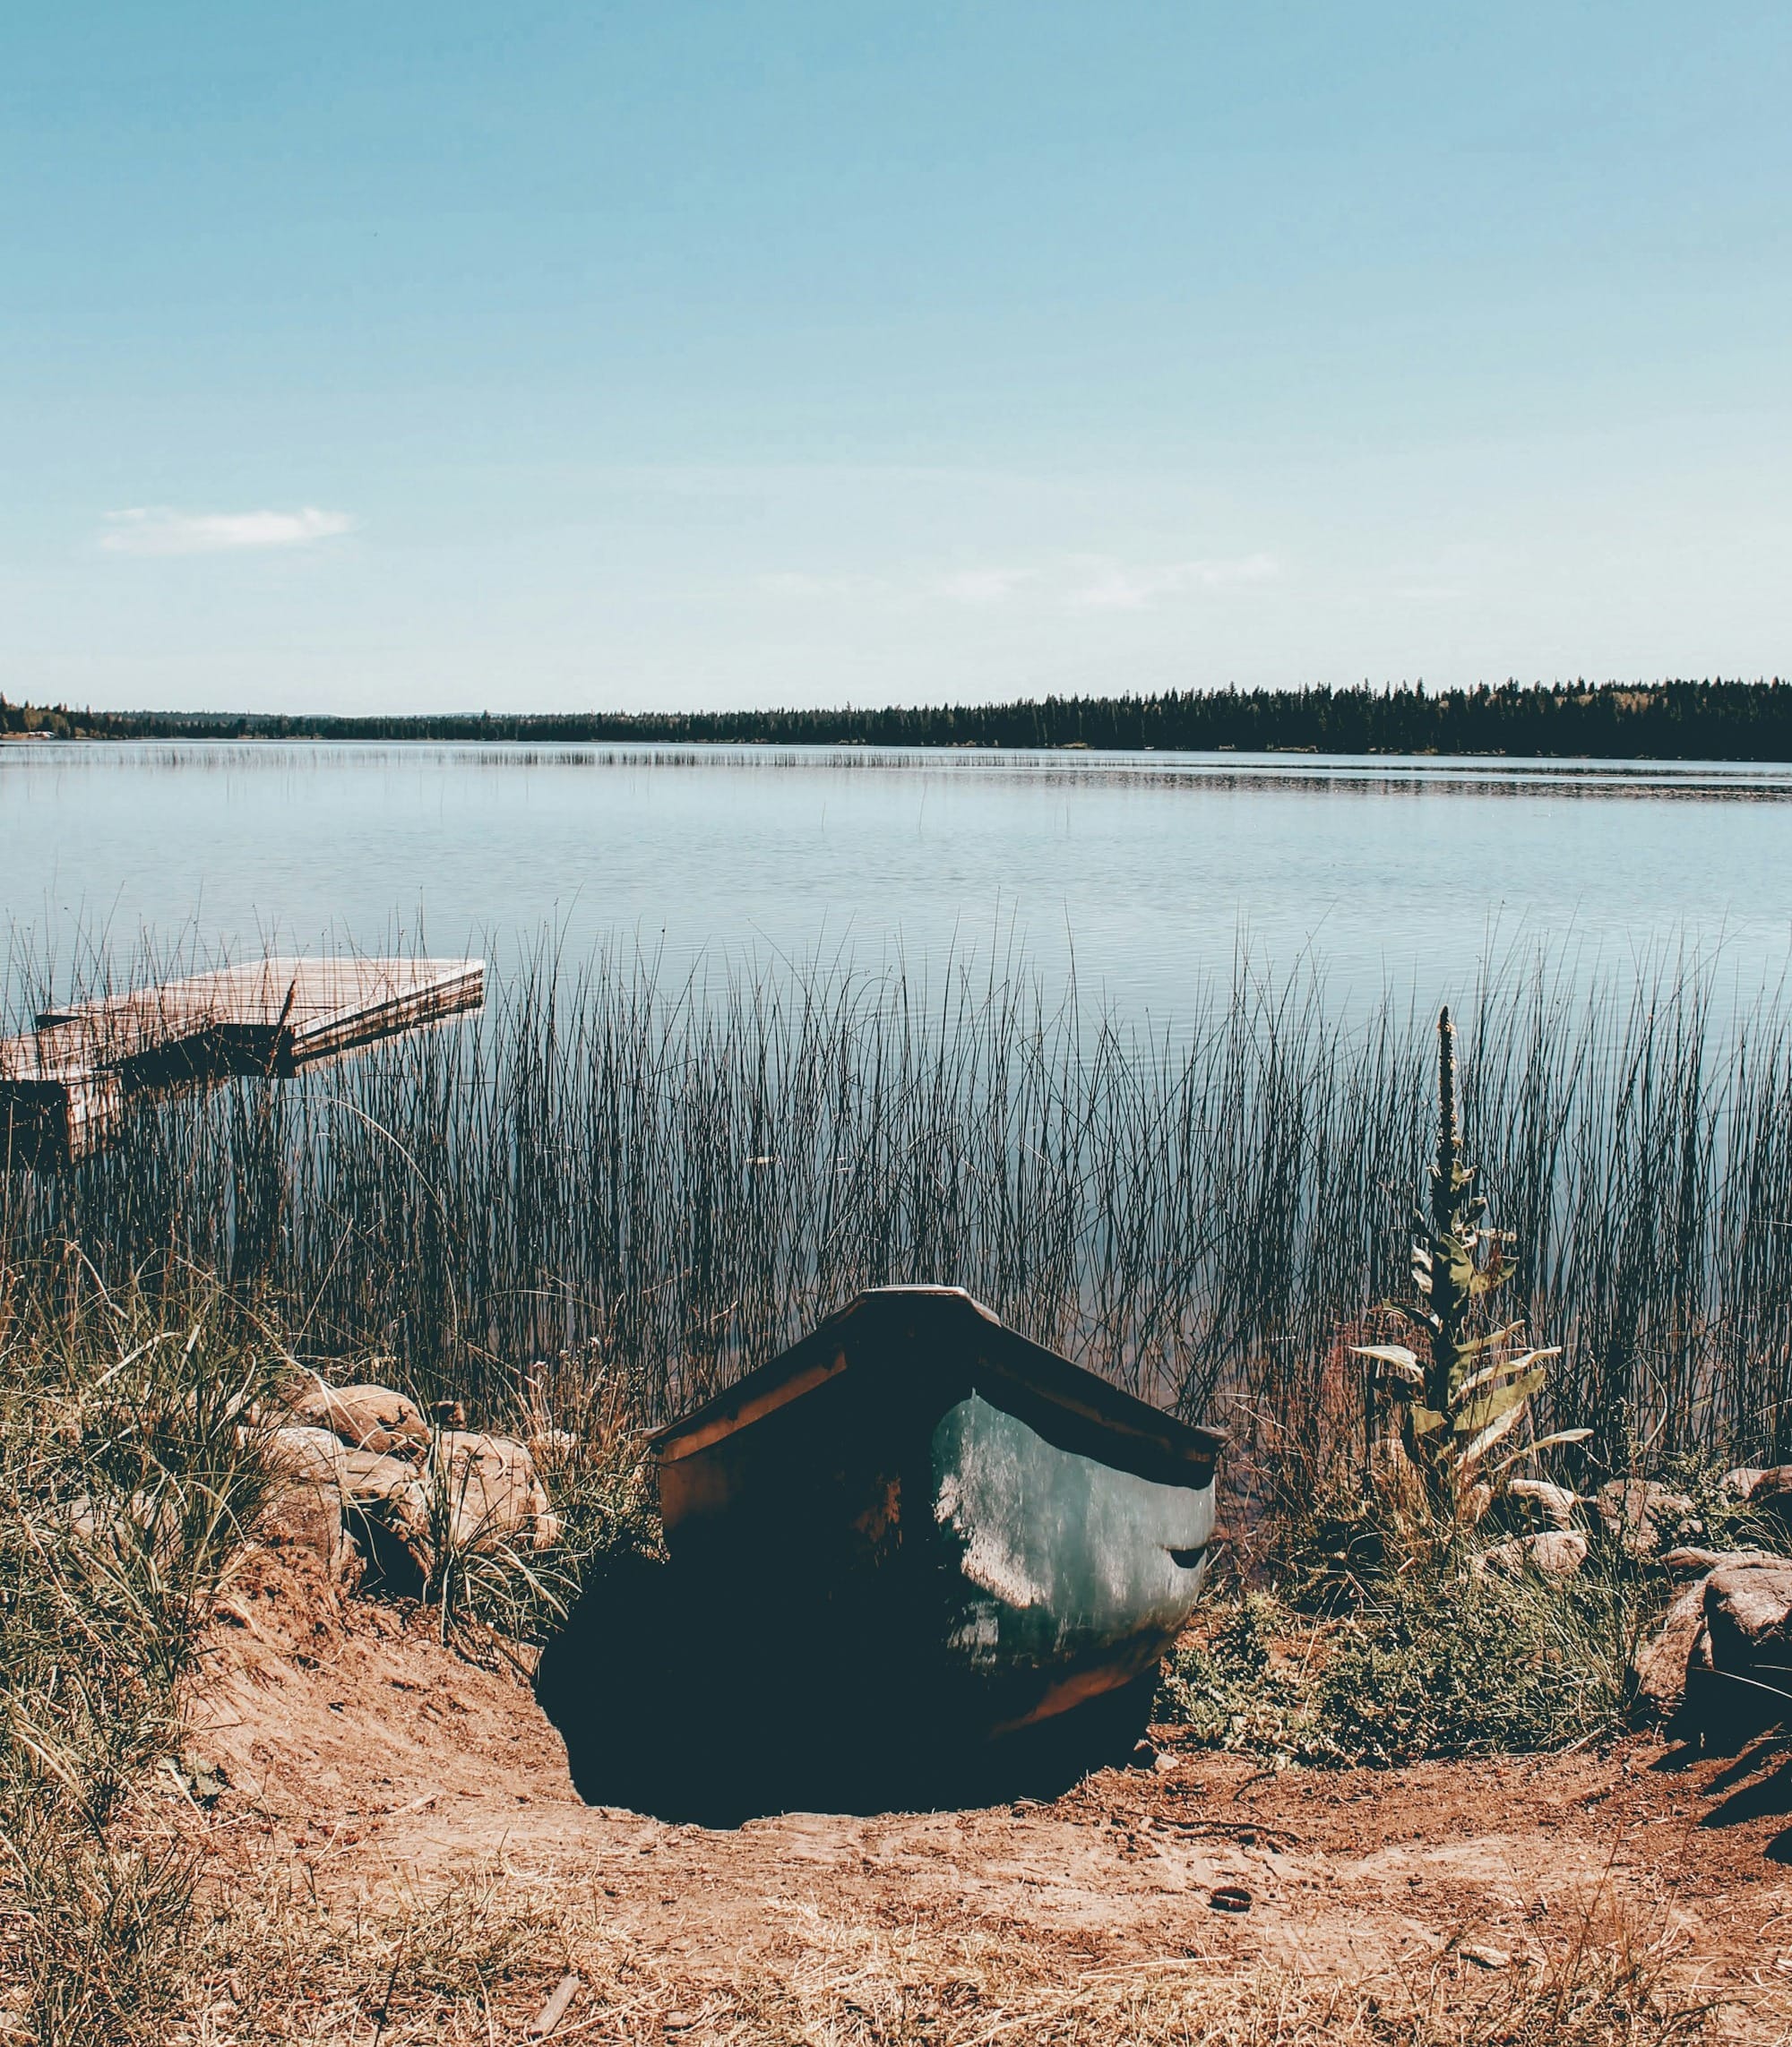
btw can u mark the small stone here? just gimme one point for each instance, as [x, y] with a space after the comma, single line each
[1487, 1958]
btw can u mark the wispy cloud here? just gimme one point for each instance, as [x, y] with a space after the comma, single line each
[1119, 586]
[159, 529]
[986, 585]
[800, 583]
[1064, 582]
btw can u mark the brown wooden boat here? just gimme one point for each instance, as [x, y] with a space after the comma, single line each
[911, 1544]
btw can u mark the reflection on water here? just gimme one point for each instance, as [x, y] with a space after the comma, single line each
[1144, 873]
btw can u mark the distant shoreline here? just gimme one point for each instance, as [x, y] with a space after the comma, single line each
[1712, 720]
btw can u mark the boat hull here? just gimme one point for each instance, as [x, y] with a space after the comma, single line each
[939, 1525]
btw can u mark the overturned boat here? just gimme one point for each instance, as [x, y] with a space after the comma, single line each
[912, 1540]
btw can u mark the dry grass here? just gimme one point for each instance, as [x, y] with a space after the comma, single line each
[689, 1175]
[474, 1963]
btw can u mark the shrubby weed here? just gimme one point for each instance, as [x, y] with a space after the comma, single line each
[1428, 1661]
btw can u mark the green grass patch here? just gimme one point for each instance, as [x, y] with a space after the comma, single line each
[1432, 1663]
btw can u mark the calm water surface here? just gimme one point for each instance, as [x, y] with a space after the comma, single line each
[1148, 871]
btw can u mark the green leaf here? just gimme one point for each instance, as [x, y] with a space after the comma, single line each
[1505, 1368]
[1485, 1282]
[1387, 1354]
[1543, 1443]
[1472, 1452]
[1423, 1421]
[1474, 1415]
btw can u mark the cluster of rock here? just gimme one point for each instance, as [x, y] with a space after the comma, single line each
[367, 1478]
[1721, 1664]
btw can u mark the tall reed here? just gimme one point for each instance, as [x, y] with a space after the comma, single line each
[678, 1176]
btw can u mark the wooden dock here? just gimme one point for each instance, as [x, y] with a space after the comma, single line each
[65, 1085]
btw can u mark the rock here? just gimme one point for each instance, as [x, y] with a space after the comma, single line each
[300, 1451]
[1659, 1666]
[1748, 1626]
[307, 1518]
[387, 1492]
[371, 1476]
[1747, 1604]
[1555, 1553]
[1688, 1559]
[305, 1513]
[365, 1417]
[1739, 1483]
[1639, 1512]
[492, 1495]
[1771, 1494]
[1551, 1505]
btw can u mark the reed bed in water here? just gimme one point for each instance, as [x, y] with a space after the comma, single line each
[668, 1180]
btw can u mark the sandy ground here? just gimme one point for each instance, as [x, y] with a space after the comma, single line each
[378, 1764]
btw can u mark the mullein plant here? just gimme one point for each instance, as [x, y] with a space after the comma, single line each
[1460, 1397]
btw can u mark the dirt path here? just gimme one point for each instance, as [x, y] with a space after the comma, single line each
[386, 1769]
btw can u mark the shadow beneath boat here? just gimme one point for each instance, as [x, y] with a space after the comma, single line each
[681, 1701]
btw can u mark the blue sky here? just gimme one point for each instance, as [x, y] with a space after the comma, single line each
[540, 357]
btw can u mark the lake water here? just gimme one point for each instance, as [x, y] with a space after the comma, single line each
[1149, 871]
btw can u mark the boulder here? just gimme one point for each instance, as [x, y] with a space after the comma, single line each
[1543, 1504]
[299, 1451]
[1659, 1666]
[386, 1498]
[1771, 1494]
[1556, 1553]
[365, 1417]
[304, 1512]
[1739, 1483]
[1747, 1606]
[308, 1519]
[490, 1490]
[1748, 1631]
[1640, 1513]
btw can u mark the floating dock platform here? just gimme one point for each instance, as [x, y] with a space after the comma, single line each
[64, 1086]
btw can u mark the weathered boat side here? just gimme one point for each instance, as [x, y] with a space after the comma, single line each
[972, 1525]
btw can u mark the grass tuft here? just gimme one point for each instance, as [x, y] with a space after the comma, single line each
[129, 1476]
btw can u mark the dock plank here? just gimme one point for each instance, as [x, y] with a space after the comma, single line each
[68, 1080]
